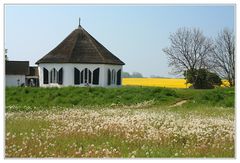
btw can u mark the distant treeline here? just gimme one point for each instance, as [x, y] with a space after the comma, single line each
[138, 75]
[133, 75]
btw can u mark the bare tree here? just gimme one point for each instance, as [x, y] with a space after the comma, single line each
[223, 58]
[189, 50]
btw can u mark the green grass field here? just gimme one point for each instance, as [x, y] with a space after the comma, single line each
[119, 122]
[47, 98]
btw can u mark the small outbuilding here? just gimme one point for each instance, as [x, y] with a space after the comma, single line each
[80, 60]
[16, 72]
[19, 73]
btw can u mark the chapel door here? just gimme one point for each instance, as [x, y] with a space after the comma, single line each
[87, 76]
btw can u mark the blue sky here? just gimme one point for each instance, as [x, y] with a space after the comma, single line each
[135, 34]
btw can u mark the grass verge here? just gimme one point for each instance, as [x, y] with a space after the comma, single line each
[38, 98]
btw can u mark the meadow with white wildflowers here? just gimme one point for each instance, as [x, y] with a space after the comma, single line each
[127, 122]
[119, 132]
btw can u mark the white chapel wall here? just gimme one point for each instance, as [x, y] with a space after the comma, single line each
[68, 72]
[105, 74]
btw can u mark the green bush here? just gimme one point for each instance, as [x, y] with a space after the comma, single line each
[202, 78]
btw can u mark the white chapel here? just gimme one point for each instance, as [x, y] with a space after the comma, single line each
[80, 60]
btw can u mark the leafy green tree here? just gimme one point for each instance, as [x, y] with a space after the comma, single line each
[202, 78]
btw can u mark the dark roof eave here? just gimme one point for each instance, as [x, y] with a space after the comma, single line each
[84, 63]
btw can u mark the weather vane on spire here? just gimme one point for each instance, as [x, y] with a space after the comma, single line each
[79, 23]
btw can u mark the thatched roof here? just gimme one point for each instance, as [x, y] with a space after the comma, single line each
[17, 67]
[80, 47]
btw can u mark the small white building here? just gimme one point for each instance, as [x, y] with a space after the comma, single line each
[18, 73]
[80, 60]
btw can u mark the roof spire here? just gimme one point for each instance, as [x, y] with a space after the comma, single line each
[79, 23]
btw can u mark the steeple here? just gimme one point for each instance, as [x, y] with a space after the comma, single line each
[79, 25]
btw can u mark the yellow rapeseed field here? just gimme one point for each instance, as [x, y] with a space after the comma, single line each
[158, 82]
[161, 82]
